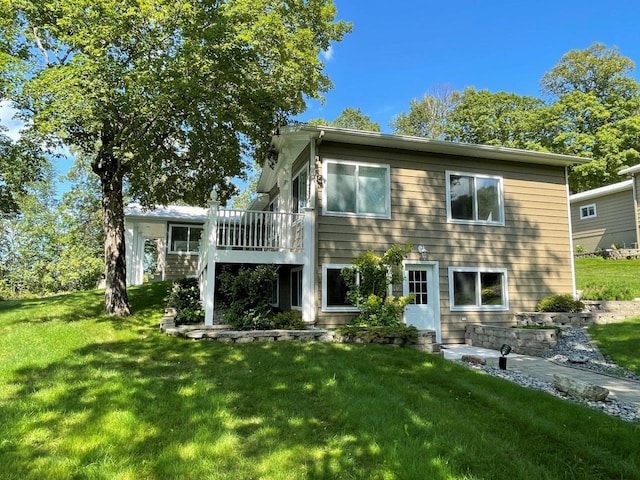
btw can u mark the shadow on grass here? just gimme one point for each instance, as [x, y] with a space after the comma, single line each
[165, 408]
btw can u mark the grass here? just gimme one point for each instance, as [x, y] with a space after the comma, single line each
[87, 396]
[620, 341]
[602, 279]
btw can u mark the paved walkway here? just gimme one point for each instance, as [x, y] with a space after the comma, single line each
[620, 389]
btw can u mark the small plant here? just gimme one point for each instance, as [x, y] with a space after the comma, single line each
[184, 296]
[580, 249]
[560, 303]
[291, 320]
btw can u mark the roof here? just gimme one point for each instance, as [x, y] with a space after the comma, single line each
[170, 212]
[296, 138]
[602, 191]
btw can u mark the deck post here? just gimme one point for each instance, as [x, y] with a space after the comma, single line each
[309, 267]
[210, 271]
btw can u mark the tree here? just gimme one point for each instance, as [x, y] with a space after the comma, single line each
[501, 118]
[352, 118]
[427, 117]
[596, 114]
[164, 96]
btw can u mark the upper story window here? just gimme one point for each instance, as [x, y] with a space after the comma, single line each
[300, 191]
[588, 211]
[356, 189]
[473, 198]
[184, 238]
[478, 288]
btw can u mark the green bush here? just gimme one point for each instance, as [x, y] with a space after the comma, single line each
[406, 335]
[247, 296]
[291, 320]
[560, 303]
[184, 296]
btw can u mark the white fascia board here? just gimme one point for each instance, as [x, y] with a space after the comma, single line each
[630, 171]
[601, 192]
[423, 144]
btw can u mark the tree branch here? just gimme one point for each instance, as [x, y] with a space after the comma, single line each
[41, 47]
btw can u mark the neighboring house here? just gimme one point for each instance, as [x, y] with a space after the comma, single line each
[176, 232]
[605, 216]
[489, 226]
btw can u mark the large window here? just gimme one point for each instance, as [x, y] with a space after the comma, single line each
[588, 211]
[334, 289]
[184, 238]
[299, 191]
[356, 189]
[478, 288]
[473, 198]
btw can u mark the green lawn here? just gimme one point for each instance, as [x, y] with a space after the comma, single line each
[621, 341]
[85, 396]
[601, 279]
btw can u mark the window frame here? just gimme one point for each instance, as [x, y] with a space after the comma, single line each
[478, 305]
[183, 225]
[475, 220]
[325, 306]
[588, 215]
[297, 286]
[357, 165]
[295, 206]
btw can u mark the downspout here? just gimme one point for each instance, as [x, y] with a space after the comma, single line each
[635, 208]
[571, 255]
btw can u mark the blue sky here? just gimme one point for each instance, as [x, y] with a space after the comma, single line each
[400, 50]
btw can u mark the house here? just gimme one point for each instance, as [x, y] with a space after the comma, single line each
[175, 230]
[489, 226]
[607, 216]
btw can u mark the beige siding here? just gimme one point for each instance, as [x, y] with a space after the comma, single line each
[614, 222]
[534, 244]
[180, 265]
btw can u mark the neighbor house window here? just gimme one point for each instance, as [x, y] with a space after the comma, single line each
[334, 289]
[299, 191]
[296, 288]
[478, 288]
[184, 238]
[473, 198]
[588, 211]
[357, 189]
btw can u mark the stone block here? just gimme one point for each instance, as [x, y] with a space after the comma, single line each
[476, 360]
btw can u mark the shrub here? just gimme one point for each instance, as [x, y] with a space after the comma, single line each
[406, 335]
[184, 296]
[291, 320]
[560, 303]
[247, 296]
[580, 249]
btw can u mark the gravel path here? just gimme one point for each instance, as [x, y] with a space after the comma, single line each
[575, 349]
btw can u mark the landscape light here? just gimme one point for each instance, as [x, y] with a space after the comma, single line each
[504, 351]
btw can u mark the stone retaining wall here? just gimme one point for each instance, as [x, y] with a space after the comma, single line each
[618, 254]
[525, 341]
[554, 319]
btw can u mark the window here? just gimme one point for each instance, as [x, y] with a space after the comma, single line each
[184, 238]
[275, 293]
[334, 289]
[478, 288]
[588, 211]
[299, 191]
[296, 288]
[473, 198]
[356, 189]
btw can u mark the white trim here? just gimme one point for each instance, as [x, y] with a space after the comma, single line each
[304, 169]
[478, 306]
[170, 226]
[630, 170]
[601, 191]
[588, 215]
[475, 176]
[571, 243]
[325, 211]
[328, 308]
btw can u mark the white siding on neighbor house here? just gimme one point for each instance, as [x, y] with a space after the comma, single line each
[533, 245]
[614, 222]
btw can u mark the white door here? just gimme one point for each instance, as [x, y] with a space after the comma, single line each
[424, 313]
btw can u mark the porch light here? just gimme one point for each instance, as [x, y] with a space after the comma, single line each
[504, 351]
[424, 253]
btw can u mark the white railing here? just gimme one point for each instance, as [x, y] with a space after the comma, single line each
[261, 231]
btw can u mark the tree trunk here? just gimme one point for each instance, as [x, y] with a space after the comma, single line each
[116, 300]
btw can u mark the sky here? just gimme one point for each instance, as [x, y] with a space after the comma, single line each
[400, 50]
